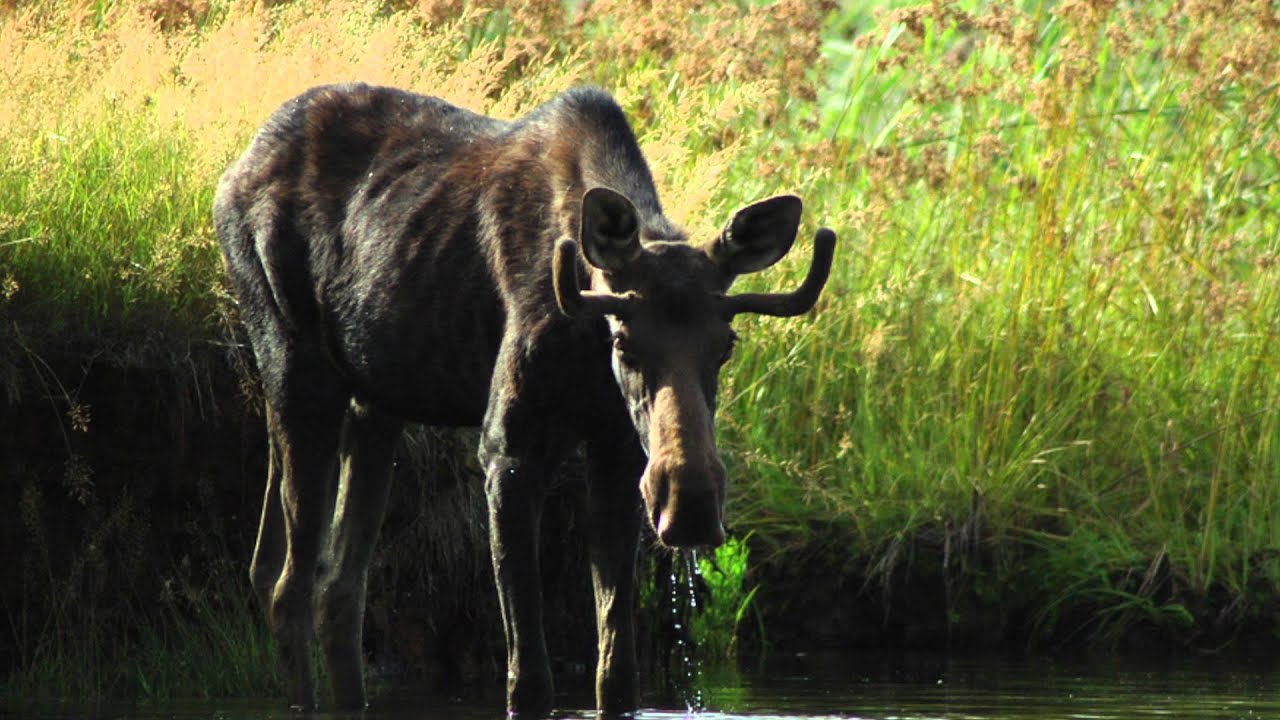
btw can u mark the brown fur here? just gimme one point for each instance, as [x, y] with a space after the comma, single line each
[392, 257]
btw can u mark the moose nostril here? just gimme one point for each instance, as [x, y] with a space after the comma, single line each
[662, 523]
[659, 501]
[668, 533]
[702, 532]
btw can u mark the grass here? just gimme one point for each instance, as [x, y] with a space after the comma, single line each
[1048, 346]
[1057, 319]
[209, 645]
[717, 624]
[90, 630]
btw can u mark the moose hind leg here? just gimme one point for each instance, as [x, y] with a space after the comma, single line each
[367, 446]
[268, 551]
[309, 422]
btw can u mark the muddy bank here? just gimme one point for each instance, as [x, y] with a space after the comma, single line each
[940, 590]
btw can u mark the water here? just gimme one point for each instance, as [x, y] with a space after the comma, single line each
[684, 604]
[923, 687]
[808, 687]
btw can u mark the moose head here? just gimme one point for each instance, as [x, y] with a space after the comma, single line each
[667, 307]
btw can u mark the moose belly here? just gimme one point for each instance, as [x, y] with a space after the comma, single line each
[427, 364]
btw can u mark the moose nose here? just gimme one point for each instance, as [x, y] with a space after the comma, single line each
[686, 503]
[691, 522]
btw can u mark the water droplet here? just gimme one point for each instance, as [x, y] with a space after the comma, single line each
[687, 672]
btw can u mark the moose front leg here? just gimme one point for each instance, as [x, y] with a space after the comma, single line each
[614, 526]
[514, 487]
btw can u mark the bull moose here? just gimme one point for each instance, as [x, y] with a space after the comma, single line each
[396, 258]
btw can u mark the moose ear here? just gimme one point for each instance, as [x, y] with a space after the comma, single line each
[610, 229]
[758, 236]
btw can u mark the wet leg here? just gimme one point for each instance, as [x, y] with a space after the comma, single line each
[519, 450]
[514, 487]
[614, 526]
[368, 444]
[309, 425]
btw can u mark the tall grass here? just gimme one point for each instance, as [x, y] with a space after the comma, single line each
[129, 111]
[1054, 317]
[1047, 347]
[204, 643]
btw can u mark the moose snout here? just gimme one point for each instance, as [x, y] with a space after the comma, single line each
[686, 502]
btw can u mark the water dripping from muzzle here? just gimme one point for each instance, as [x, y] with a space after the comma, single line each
[687, 672]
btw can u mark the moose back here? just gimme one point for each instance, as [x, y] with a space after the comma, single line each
[396, 258]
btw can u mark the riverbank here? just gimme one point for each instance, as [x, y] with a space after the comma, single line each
[129, 548]
[1039, 405]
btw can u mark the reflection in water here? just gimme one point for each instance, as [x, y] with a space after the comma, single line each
[929, 687]
[828, 686]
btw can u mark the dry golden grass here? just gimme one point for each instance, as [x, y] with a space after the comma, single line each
[171, 91]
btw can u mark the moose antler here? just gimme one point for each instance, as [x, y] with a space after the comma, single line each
[802, 299]
[573, 301]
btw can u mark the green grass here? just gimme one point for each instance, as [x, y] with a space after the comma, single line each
[1054, 308]
[123, 620]
[105, 241]
[718, 624]
[1048, 346]
[210, 648]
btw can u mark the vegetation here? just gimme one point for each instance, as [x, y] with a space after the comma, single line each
[717, 622]
[1045, 365]
[1051, 341]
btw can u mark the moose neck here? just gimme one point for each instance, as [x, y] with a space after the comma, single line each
[581, 145]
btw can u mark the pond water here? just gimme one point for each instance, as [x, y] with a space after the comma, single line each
[807, 687]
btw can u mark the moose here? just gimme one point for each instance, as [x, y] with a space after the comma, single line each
[399, 259]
